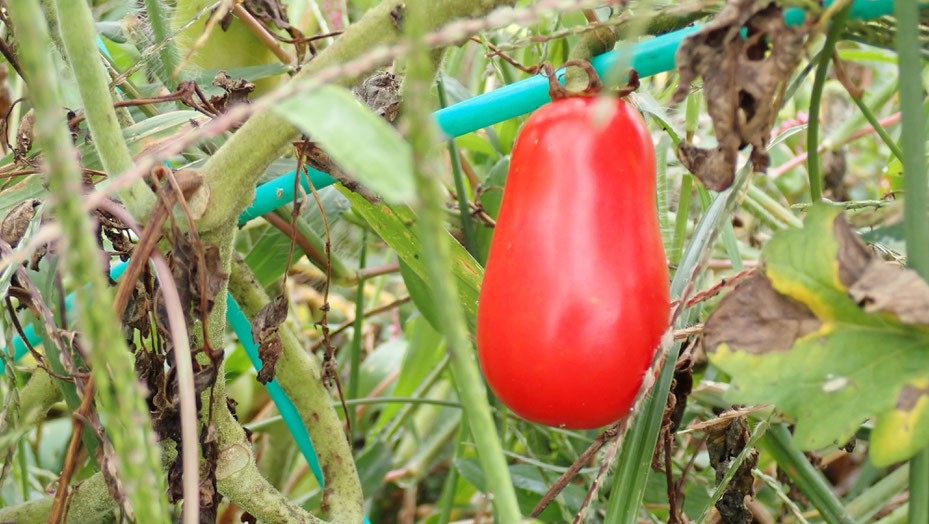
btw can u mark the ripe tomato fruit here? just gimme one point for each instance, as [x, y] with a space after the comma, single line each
[575, 294]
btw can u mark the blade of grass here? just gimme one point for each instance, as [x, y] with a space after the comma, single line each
[680, 220]
[864, 506]
[811, 482]
[355, 355]
[915, 209]
[819, 80]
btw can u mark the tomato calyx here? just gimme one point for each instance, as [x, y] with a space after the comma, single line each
[557, 91]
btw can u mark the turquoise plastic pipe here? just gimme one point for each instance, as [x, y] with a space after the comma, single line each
[650, 57]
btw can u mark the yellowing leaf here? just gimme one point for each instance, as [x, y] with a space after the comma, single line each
[796, 338]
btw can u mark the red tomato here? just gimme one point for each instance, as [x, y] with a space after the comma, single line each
[575, 294]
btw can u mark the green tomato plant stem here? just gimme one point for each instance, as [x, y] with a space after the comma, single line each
[357, 325]
[467, 223]
[160, 20]
[680, 220]
[819, 81]
[915, 186]
[878, 128]
[120, 398]
[465, 373]
[79, 38]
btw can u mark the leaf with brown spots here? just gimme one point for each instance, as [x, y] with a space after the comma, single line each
[832, 336]
[236, 91]
[742, 79]
[264, 333]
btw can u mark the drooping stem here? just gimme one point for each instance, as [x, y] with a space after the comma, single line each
[915, 208]
[467, 378]
[120, 397]
[79, 37]
[825, 56]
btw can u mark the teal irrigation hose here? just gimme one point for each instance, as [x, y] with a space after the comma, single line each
[648, 58]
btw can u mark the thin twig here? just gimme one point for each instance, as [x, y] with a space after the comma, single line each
[77, 421]
[566, 477]
[370, 313]
[262, 33]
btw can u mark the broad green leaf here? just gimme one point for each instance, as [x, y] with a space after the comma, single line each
[491, 199]
[146, 135]
[268, 257]
[423, 352]
[30, 187]
[797, 337]
[360, 142]
[473, 142]
[397, 226]
[530, 487]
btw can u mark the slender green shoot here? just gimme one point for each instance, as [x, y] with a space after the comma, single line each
[819, 81]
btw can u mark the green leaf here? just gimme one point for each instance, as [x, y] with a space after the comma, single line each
[832, 336]
[396, 225]
[423, 352]
[359, 141]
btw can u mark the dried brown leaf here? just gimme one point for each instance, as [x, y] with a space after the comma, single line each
[381, 92]
[236, 91]
[757, 319]
[17, 220]
[724, 441]
[271, 316]
[269, 352]
[887, 288]
[742, 77]
[269, 12]
[25, 133]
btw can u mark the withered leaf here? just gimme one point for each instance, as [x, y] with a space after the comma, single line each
[25, 135]
[106, 457]
[853, 255]
[236, 91]
[887, 288]
[877, 285]
[724, 442]
[741, 78]
[381, 92]
[269, 352]
[271, 316]
[269, 11]
[755, 318]
[264, 333]
[16, 222]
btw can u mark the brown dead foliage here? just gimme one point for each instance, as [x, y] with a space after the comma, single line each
[743, 78]
[725, 440]
[265, 334]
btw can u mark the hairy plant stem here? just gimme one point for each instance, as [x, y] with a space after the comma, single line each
[466, 376]
[120, 396]
[160, 21]
[915, 208]
[245, 156]
[79, 38]
[299, 375]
